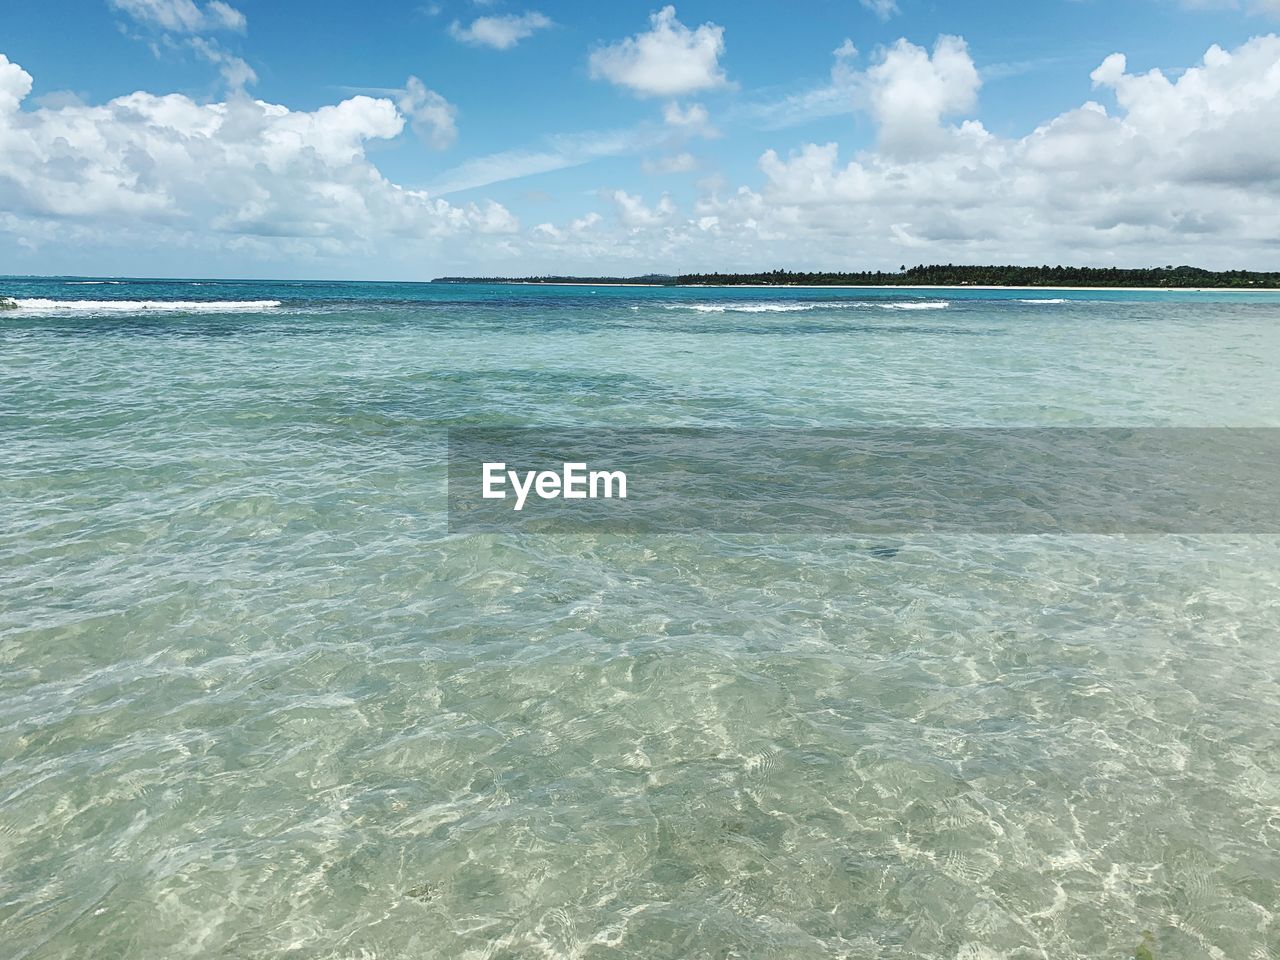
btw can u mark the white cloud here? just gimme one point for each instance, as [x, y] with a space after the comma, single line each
[633, 214]
[225, 16]
[669, 60]
[909, 91]
[167, 169]
[1179, 171]
[692, 121]
[184, 24]
[15, 84]
[235, 72]
[433, 117]
[884, 9]
[1179, 164]
[183, 16]
[684, 124]
[501, 33]
[1161, 167]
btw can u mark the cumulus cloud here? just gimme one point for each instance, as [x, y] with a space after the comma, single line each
[183, 16]
[500, 33]
[633, 214]
[1176, 165]
[1176, 170]
[669, 60]
[909, 90]
[433, 117]
[1159, 167]
[213, 172]
[15, 84]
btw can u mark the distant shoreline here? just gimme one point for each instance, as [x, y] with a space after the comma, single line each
[849, 286]
[947, 276]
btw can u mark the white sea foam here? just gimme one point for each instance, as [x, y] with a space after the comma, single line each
[1046, 300]
[809, 305]
[93, 283]
[747, 307]
[37, 305]
[928, 305]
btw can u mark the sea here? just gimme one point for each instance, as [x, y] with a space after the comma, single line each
[260, 699]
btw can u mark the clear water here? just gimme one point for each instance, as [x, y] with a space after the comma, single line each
[256, 702]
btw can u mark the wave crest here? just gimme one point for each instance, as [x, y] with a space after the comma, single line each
[799, 307]
[39, 305]
[743, 307]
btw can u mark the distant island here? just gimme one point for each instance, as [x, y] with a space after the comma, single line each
[948, 275]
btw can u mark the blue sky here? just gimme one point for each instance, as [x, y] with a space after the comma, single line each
[407, 140]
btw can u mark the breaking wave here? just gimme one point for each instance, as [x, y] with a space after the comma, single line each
[745, 307]
[929, 305]
[43, 306]
[799, 307]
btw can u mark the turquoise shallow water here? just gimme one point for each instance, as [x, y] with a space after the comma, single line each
[255, 701]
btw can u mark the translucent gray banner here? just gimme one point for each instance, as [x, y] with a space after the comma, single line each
[866, 482]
